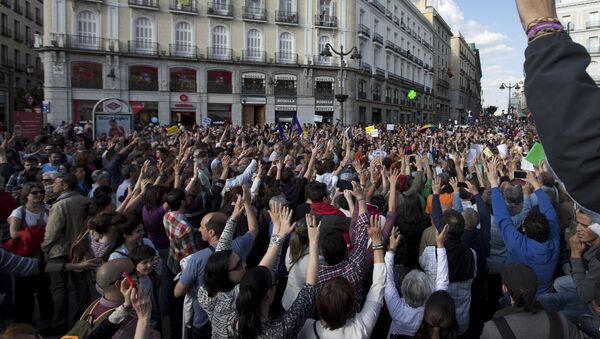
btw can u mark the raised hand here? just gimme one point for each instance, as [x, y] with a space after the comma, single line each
[313, 229]
[395, 239]
[393, 177]
[491, 171]
[375, 230]
[275, 212]
[454, 184]
[440, 237]
[238, 208]
[436, 185]
[358, 191]
[472, 188]
[533, 181]
[286, 222]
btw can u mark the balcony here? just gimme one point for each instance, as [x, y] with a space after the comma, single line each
[5, 3]
[254, 13]
[403, 25]
[145, 4]
[254, 55]
[18, 8]
[365, 67]
[362, 95]
[378, 39]
[388, 100]
[380, 7]
[219, 53]
[394, 77]
[285, 17]
[185, 7]
[380, 72]
[286, 58]
[390, 45]
[19, 37]
[594, 49]
[364, 31]
[443, 83]
[397, 21]
[284, 91]
[376, 96]
[592, 24]
[87, 42]
[5, 31]
[253, 90]
[142, 47]
[220, 10]
[389, 14]
[186, 51]
[325, 60]
[329, 21]
[395, 100]
[6, 62]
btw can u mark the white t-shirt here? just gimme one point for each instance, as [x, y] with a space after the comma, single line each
[31, 219]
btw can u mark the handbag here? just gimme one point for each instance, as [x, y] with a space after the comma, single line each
[30, 239]
[80, 250]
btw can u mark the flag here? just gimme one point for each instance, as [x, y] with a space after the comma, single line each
[184, 2]
[280, 130]
[296, 124]
[172, 130]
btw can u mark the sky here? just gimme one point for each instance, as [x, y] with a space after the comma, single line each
[494, 26]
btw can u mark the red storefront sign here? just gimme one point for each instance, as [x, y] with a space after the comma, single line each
[28, 124]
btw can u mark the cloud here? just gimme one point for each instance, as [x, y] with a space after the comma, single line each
[487, 38]
[496, 49]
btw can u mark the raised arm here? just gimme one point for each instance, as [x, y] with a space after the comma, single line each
[227, 234]
[436, 206]
[456, 202]
[484, 220]
[441, 279]
[281, 216]
[311, 163]
[250, 214]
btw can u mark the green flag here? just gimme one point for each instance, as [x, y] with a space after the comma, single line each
[184, 2]
[536, 154]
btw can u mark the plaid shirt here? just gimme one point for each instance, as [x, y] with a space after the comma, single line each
[353, 267]
[181, 237]
[15, 182]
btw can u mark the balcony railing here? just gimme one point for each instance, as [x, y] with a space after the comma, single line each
[325, 20]
[325, 60]
[254, 13]
[286, 17]
[389, 14]
[443, 83]
[253, 90]
[394, 77]
[395, 101]
[19, 37]
[390, 45]
[7, 32]
[280, 91]
[39, 21]
[378, 38]
[189, 6]
[365, 67]
[286, 58]
[142, 47]
[376, 97]
[380, 72]
[85, 42]
[324, 94]
[378, 5]
[362, 95]
[254, 55]
[188, 51]
[364, 30]
[152, 4]
[28, 14]
[220, 9]
[219, 53]
[593, 24]
[19, 67]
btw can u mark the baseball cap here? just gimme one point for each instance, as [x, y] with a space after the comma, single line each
[519, 278]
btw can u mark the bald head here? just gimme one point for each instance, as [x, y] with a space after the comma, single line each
[215, 222]
[112, 271]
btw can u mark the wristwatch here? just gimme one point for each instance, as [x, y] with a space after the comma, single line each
[276, 240]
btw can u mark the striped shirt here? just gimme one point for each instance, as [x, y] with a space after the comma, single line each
[14, 264]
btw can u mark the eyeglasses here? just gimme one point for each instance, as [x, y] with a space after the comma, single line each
[46, 180]
[36, 192]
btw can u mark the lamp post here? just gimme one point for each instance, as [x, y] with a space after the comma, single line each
[510, 87]
[328, 51]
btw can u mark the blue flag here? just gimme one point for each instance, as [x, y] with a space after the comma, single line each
[280, 130]
[296, 124]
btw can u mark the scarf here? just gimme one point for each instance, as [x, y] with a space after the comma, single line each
[461, 265]
[323, 208]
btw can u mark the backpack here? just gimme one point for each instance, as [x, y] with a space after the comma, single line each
[87, 323]
[30, 239]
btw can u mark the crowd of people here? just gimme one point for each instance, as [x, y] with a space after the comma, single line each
[325, 231]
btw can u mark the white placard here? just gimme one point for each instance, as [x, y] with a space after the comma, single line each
[390, 127]
[471, 155]
[478, 148]
[527, 166]
[318, 118]
[503, 150]
[375, 133]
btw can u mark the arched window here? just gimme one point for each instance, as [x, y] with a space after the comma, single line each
[219, 43]
[87, 29]
[144, 36]
[323, 41]
[183, 39]
[286, 48]
[254, 44]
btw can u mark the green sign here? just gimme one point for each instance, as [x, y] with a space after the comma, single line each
[412, 94]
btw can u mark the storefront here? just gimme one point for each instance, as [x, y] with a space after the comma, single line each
[285, 92]
[324, 98]
[219, 114]
[183, 111]
[85, 74]
[143, 113]
[376, 115]
[82, 110]
[253, 98]
[285, 108]
[143, 78]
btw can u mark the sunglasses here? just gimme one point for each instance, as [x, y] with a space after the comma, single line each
[36, 192]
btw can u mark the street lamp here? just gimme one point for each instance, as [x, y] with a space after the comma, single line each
[510, 87]
[328, 51]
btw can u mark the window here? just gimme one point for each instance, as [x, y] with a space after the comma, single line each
[219, 82]
[17, 27]
[143, 78]
[286, 47]
[593, 44]
[594, 20]
[323, 41]
[183, 39]
[219, 42]
[28, 60]
[182, 80]
[286, 6]
[144, 33]
[253, 44]
[86, 29]
[361, 17]
[85, 74]
[566, 19]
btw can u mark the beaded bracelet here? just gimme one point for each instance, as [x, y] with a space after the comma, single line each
[543, 26]
[540, 20]
[544, 33]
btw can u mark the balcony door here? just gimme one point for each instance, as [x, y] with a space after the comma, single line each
[86, 30]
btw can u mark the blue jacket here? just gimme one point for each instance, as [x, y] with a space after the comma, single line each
[541, 257]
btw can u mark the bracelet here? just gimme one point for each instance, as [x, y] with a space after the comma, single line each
[542, 26]
[544, 33]
[378, 247]
[276, 240]
[540, 20]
